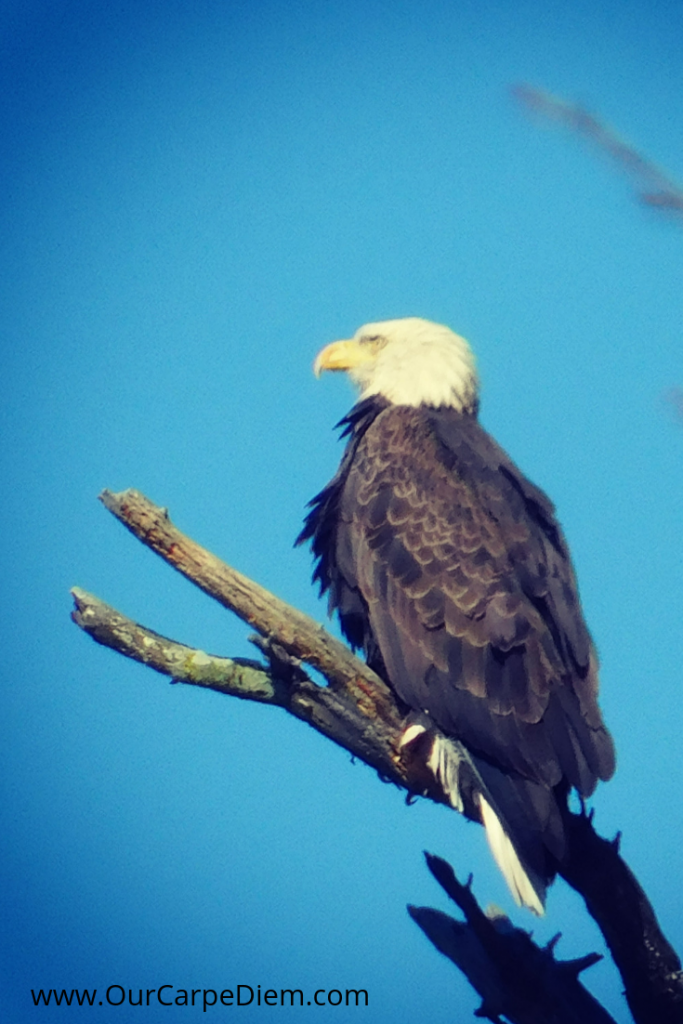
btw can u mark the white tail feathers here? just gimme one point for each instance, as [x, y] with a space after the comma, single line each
[445, 762]
[518, 881]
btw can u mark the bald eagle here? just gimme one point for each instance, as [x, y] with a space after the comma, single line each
[448, 568]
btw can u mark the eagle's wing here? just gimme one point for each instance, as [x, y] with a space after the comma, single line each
[459, 569]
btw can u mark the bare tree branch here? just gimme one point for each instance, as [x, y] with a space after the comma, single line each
[367, 731]
[360, 713]
[236, 677]
[648, 964]
[674, 396]
[655, 188]
[513, 975]
[298, 634]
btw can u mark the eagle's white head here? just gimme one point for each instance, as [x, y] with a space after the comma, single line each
[409, 362]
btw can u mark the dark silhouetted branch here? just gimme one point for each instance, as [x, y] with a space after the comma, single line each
[649, 966]
[514, 977]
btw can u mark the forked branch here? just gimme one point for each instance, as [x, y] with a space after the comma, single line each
[359, 712]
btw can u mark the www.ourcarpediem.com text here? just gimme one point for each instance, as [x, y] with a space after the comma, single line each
[169, 995]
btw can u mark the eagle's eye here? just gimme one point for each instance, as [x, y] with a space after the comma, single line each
[372, 341]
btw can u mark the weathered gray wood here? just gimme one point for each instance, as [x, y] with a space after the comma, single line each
[254, 604]
[334, 713]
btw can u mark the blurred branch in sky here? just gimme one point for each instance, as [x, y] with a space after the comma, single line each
[654, 187]
[674, 398]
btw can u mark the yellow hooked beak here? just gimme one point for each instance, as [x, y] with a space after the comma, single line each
[341, 355]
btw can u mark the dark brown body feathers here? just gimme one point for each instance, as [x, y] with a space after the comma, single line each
[449, 569]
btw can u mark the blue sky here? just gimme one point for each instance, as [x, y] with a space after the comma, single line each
[194, 198]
